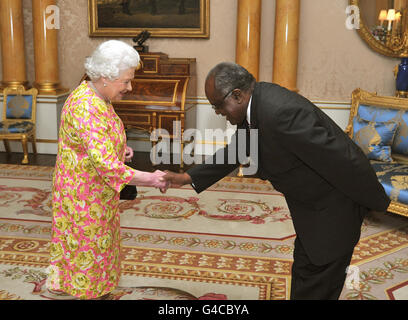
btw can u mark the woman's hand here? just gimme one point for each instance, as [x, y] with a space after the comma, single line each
[150, 179]
[128, 154]
[158, 181]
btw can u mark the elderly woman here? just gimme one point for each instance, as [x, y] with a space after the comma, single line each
[89, 175]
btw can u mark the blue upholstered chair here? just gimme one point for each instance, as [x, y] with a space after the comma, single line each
[379, 125]
[18, 121]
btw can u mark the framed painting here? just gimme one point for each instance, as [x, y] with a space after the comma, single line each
[162, 18]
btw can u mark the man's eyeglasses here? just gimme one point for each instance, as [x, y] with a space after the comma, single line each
[223, 99]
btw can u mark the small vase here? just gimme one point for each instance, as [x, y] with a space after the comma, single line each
[402, 76]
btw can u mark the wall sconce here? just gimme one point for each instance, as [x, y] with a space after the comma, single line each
[382, 17]
[390, 18]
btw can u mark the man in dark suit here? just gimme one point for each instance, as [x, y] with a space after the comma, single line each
[328, 182]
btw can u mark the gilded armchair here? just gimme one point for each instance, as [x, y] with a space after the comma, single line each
[379, 125]
[18, 121]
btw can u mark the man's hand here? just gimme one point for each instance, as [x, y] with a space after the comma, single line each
[128, 154]
[176, 180]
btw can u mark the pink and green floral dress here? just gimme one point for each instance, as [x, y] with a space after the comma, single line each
[89, 174]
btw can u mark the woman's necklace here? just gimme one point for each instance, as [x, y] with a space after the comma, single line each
[98, 93]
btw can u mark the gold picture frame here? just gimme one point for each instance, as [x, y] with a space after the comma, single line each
[161, 18]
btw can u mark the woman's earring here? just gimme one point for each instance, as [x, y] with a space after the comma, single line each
[104, 84]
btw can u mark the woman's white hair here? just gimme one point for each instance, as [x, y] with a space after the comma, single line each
[109, 59]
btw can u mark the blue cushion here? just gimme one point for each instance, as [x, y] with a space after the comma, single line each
[394, 179]
[374, 138]
[380, 114]
[17, 127]
[19, 106]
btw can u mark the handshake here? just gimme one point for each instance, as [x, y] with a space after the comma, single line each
[161, 179]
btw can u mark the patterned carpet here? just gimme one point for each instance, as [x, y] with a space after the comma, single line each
[233, 241]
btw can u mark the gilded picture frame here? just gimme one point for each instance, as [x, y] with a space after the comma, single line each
[162, 18]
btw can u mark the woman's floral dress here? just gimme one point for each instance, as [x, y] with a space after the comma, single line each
[89, 174]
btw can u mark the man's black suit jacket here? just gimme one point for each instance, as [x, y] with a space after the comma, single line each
[325, 177]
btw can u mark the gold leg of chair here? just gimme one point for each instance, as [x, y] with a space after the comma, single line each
[34, 145]
[25, 150]
[6, 145]
[240, 172]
